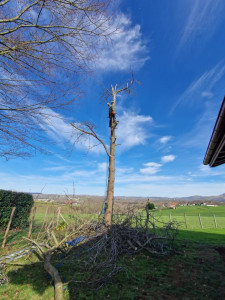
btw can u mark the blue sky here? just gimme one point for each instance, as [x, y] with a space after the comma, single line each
[176, 50]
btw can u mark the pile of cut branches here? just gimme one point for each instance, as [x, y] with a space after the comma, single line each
[129, 234]
[93, 254]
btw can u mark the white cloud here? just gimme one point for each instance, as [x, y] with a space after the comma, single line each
[203, 17]
[132, 129]
[91, 179]
[55, 126]
[150, 168]
[168, 158]
[126, 51]
[61, 131]
[165, 139]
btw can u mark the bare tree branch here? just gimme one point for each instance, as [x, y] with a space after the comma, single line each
[92, 133]
[44, 45]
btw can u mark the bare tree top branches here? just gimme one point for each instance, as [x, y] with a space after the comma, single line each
[119, 89]
[47, 31]
[44, 44]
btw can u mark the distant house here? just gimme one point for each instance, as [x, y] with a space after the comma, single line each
[70, 202]
[215, 154]
[173, 205]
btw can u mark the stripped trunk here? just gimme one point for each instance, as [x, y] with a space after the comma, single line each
[111, 174]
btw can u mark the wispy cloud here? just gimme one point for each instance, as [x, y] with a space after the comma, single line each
[199, 135]
[92, 180]
[203, 18]
[207, 94]
[172, 189]
[131, 131]
[201, 87]
[127, 49]
[168, 158]
[163, 140]
[151, 168]
[206, 171]
[60, 130]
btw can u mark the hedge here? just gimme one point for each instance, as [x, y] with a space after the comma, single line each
[23, 203]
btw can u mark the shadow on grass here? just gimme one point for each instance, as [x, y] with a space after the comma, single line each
[204, 236]
[32, 275]
[193, 273]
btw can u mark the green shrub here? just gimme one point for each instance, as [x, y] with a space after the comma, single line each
[151, 206]
[23, 203]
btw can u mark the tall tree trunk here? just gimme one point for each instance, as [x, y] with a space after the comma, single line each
[111, 154]
[111, 177]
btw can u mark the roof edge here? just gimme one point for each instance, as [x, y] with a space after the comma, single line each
[215, 134]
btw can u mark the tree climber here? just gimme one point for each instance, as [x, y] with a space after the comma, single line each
[112, 114]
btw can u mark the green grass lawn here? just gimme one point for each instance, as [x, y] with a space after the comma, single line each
[196, 271]
[192, 216]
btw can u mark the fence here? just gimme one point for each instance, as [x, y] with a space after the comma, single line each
[57, 214]
[192, 221]
[41, 218]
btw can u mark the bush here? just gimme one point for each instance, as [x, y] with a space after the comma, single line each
[23, 203]
[151, 206]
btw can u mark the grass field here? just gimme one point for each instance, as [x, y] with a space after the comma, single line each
[192, 216]
[196, 271]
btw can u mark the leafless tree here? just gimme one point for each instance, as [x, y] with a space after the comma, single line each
[44, 44]
[88, 129]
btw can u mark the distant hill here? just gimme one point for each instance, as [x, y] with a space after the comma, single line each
[195, 198]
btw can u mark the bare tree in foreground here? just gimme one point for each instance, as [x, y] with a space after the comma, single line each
[44, 45]
[88, 129]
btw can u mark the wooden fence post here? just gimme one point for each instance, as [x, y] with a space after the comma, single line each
[8, 226]
[170, 218]
[44, 224]
[200, 221]
[58, 215]
[214, 217]
[31, 222]
[63, 219]
[153, 222]
[153, 219]
[185, 220]
[46, 218]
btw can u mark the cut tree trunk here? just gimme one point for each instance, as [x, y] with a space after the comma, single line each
[58, 287]
[111, 179]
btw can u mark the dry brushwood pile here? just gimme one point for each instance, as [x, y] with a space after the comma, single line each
[129, 234]
[91, 251]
